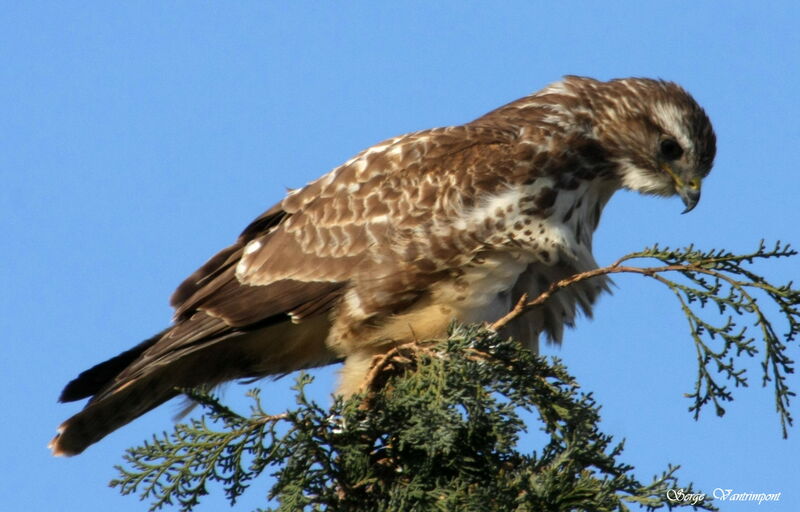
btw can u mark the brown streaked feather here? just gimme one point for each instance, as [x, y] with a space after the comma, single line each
[338, 222]
[313, 254]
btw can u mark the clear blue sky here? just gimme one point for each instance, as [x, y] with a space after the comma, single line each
[136, 139]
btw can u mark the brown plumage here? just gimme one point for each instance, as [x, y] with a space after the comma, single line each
[436, 225]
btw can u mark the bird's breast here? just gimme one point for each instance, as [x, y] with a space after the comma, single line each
[481, 290]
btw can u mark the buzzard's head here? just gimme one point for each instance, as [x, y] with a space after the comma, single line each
[658, 137]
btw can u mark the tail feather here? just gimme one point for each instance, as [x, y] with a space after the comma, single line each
[134, 382]
[142, 378]
[137, 389]
[112, 411]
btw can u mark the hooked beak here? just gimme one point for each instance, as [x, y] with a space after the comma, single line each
[689, 192]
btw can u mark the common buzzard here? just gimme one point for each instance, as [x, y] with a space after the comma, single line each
[408, 235]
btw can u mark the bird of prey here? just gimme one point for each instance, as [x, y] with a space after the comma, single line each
[445, 224]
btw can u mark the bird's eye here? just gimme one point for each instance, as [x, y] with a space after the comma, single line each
[670, 149]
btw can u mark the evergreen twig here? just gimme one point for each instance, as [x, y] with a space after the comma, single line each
[439, 432]
[721, 278]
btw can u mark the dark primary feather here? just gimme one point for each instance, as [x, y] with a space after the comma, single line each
[93, 380]
[222, 261]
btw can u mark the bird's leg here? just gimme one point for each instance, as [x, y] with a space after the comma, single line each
[397, 360]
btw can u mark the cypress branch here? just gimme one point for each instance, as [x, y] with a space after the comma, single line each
[437, 430]
[721, 278]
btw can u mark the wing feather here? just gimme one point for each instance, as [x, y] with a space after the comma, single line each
[366, 225]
